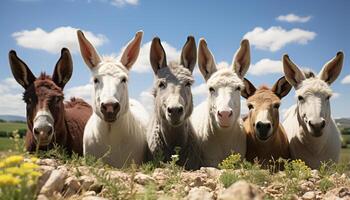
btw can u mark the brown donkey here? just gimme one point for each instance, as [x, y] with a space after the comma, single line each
[49, 120]
[266, 138]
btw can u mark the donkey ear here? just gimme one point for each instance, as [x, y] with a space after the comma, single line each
[281, 88]
[64, 69]
[206, 61]
[332, 69]
[88, 52]
[293, 74]
[189, 54]
[132, 51]
[20, 70]
[249, 89]
[157, 55]
[241, 60]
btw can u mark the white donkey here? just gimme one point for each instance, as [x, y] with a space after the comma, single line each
[312, 133]
[217, 120]
[117, 127]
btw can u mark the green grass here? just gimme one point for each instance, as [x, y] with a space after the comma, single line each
[345, 155]
[12, 126]
[6, 144]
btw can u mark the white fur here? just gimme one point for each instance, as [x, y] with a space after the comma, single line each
[315, 106]
[123, 141]
[217, 143]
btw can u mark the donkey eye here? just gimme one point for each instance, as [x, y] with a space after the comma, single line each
[328, 97]
[211, 90]
[238, 88]
[188, 84]
[276, 106]
[250, 106]
[300, 98]
[96, 81]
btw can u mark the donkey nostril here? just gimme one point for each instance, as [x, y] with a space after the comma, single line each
[230, 114]
[219, 114]
[36, 131]
[169, 110]
[180, 109]
[49, 132]
[323, 124]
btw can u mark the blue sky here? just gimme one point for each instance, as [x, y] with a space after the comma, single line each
[311, 32]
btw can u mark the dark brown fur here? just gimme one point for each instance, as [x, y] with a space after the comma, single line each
[70, 117]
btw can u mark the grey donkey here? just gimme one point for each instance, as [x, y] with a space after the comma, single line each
[170, 131]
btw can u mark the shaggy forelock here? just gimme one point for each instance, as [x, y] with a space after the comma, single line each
[176, 72]
[112, 66]
[225, 77]
[313, 85]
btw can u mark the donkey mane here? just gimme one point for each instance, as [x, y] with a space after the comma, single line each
[223, 77]
[313, 85]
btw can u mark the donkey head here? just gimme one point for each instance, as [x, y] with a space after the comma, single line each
[172, 89]
[43, 96]
[264, 106]
[224, 84]
[313, 93]
[110, 77]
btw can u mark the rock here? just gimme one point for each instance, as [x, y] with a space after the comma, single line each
[143, 179]
[48, 162]
[93, 198]
[42, 197]
[336, 193]
[241, 190]
[72, 186]
[306, 186]
[89, 193]
[86, 182]
[118, 175]
[54, 183]
[201, 193]
[211, 172]
[309, 196]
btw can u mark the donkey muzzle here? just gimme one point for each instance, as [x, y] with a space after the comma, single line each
[110, 111]
[175, 114]
[43, 129]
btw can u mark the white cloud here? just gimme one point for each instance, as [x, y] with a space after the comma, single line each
[346, 80]
[291, 18]
[55, 40]
[266, 66]
[11, 102]
[82, 91]
[147, 100]
[120, 3]
[275, 38]
[143, 64]
[200, 90]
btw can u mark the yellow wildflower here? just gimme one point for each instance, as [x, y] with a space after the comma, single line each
[13, 160]
[8, 180]
[34, 159]
[15, 171]
[34, 174]
[2, 164]
[29, 166]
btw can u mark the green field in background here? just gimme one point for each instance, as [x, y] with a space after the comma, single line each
[12, 126]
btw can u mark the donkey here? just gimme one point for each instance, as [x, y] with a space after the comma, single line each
[217, 120]
[312, 133]
[170, 126]
[116, 130]
[266, 137]
[49, 120]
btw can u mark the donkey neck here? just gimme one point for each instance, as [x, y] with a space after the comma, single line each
[174, 136]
